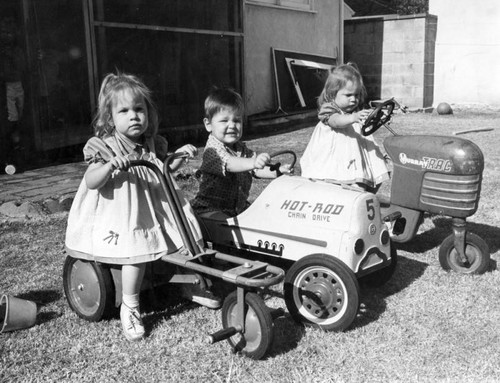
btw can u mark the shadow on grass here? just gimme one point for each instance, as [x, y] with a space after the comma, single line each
[43, 298]
[168, 304]
[287, 334]
[164, 302]
[490, 234]
[433, 238]
[167, 312]
[373, 300]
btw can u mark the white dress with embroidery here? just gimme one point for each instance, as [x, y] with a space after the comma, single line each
[343, 155]
[128, 220]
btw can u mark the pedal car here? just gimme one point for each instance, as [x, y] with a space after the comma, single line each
[93, 289]
[328, 235]
[436, 175]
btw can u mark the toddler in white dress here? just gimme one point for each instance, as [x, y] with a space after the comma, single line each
[120, 215]
[337, 150]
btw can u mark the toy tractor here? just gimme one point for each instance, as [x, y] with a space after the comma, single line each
[436, 175]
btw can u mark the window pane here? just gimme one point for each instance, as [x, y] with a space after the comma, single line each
[299, 4]
[60, 73]
[296, 1]
[179, 67]
[199, 14]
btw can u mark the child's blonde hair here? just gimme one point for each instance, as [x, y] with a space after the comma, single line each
[111, 86]
[337, 79]
[222, 98]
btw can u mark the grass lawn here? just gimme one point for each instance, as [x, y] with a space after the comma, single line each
[424, 325]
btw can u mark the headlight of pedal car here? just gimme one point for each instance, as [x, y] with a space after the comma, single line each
[359, 246]
[384, 237]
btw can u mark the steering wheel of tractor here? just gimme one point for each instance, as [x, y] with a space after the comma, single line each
[275, 166]
[378, 117]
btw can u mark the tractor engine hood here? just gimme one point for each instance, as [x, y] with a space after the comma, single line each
[442, 154]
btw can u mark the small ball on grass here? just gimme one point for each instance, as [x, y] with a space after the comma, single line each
[444, 108]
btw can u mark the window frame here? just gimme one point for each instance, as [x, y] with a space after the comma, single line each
[306, 64]
[306, 6]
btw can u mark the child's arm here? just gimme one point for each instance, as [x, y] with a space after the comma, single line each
[98, 173]
[339, 121]
[239, 164]
[189, 149]
[257, 164]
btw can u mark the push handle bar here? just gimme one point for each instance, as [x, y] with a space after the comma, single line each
[190, 244]
[173, 199]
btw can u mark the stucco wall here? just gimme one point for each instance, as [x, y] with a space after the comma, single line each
[467, 52]
[395, 55]
[317, 33]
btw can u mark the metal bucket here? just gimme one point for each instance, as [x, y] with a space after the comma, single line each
[16, 313]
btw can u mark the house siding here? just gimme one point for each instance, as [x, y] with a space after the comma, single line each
[317, 33]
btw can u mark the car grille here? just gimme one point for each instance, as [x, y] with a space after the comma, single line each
[460, 193]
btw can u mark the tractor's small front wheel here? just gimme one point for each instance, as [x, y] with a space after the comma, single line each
[257, 337]
[89, 289]
[476, 252]
[322, 291]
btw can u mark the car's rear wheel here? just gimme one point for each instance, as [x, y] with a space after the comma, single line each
[89, 289]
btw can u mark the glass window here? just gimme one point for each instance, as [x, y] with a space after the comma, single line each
[179, 68]
[305, 5]
[179, 65]
[220, 15]
[59, 73]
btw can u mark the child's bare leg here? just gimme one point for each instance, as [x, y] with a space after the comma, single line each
[132, 276]
[130, 316]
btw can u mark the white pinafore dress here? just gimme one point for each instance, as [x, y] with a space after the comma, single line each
[128, 220]
[343, 155]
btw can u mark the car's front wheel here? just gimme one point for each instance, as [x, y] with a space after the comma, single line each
[322, 291]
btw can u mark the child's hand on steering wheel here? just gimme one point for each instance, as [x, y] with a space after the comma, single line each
[261, 160]
[286, 169]
[361, 115]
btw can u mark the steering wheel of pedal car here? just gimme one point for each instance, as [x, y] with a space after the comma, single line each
[378, 117]
[275, 166]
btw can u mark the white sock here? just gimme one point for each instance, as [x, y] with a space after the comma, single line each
[131, 300]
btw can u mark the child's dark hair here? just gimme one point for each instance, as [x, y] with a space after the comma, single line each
[111, 86]
[222, 98]
[338, 78]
